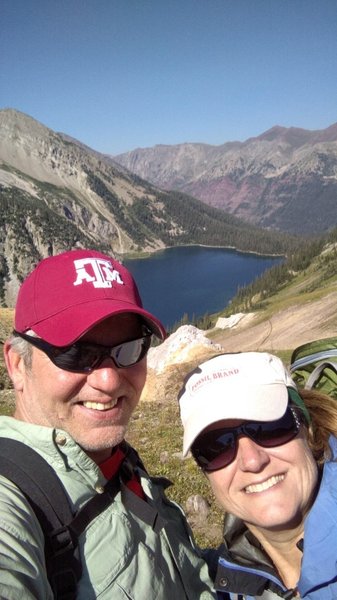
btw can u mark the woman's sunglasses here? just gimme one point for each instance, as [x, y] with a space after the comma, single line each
[216, 449]
[84, 357]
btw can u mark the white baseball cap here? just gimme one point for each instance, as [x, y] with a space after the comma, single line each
[247, 385]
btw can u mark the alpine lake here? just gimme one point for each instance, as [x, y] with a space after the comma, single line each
[194, 280]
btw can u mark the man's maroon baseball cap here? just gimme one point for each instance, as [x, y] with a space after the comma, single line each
[67, 294]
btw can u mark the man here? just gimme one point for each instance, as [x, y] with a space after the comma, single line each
[77, 363]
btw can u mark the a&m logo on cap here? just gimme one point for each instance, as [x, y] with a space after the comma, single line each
[97, 271]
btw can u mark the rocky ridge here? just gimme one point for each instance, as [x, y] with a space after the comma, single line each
[274, 180]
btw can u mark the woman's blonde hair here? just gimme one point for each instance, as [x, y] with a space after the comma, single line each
[323, 414]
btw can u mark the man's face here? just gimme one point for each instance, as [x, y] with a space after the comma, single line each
[93, 408]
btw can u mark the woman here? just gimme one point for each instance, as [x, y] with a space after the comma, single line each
[264, 446]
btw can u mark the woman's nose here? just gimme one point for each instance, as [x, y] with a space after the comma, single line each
[251, 456]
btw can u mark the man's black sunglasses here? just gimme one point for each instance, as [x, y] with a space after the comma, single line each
[84, 357]
[216, 449]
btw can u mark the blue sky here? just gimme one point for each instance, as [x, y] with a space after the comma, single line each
[122, 74]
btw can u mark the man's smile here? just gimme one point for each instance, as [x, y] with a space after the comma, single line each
[100, 405]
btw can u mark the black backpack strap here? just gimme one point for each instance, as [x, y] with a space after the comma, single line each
[93, 508]
[132, 457]
[43, 489]
[146, 511]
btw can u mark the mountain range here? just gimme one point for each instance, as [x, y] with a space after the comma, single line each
[56, 193]
[286, 178]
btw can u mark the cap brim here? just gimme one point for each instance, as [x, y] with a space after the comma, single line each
[265, 403]
[70, 324]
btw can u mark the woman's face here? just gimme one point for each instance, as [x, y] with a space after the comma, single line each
[269, 488]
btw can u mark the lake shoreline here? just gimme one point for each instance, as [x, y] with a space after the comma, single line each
[147, 254]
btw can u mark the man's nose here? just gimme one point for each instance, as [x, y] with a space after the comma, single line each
[106, 376]
[251, 456]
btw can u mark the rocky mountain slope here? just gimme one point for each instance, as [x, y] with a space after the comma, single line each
[285, 178]
[56, 194]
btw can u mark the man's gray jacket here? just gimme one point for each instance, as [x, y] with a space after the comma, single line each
[123, 558]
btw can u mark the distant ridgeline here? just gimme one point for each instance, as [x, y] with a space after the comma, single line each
[273, 180]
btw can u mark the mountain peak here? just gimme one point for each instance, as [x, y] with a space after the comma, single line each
[270, 180]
